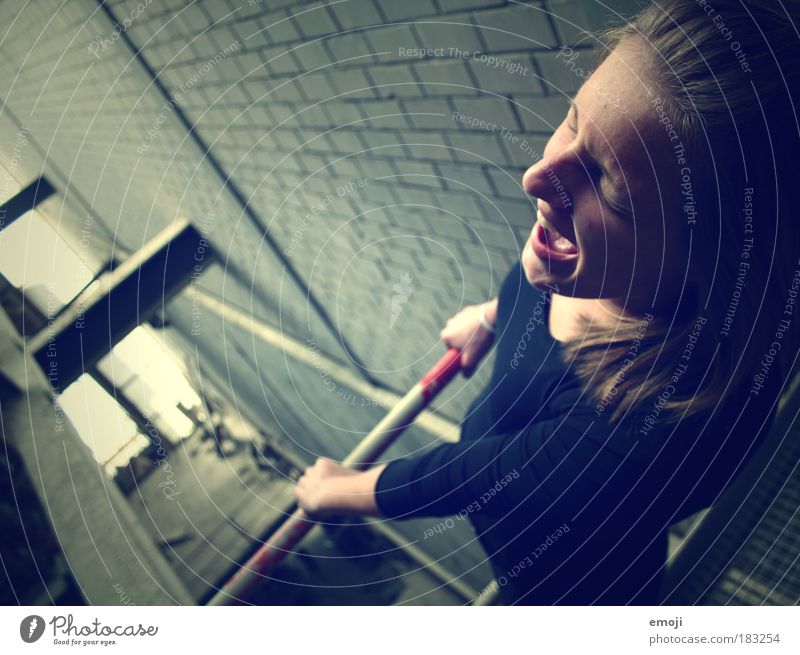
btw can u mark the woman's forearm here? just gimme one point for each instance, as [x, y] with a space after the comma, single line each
[355, 494]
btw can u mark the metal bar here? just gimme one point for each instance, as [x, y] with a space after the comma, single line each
[35, 193]
[299, 524]
[118, 301]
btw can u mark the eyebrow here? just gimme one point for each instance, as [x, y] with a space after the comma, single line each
[574, 107]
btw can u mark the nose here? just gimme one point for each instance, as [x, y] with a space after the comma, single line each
[555, 178]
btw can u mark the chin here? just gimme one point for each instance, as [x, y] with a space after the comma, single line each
[536, 271]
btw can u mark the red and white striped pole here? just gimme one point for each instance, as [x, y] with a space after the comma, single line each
[298, 525]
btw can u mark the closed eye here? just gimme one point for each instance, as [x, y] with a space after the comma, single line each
[617, 208]
[572, 117]
[572, 128]
[595, 169]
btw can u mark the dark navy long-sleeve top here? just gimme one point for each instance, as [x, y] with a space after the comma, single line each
[570, 508]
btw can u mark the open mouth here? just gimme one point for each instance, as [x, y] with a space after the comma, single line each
[548, 242]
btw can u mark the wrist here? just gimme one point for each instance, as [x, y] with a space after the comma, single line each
[354, 494]
[491, 311]
[488, 316]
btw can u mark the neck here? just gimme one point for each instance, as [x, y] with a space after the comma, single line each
[572, 315]
[615, 309]
[612, 310]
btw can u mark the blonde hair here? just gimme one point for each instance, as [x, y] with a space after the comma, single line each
[728, 77]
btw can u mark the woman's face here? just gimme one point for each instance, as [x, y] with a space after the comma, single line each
[611, 223]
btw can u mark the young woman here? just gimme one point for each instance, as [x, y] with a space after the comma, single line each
[645, 335]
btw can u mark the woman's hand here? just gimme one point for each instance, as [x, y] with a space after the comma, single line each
[328, 488]
[465, 332]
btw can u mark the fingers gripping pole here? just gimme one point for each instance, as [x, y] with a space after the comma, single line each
[298, 525]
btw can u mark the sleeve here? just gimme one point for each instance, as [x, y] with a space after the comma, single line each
[565, 459]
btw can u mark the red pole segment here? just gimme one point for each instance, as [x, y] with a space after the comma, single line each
[298, 525]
